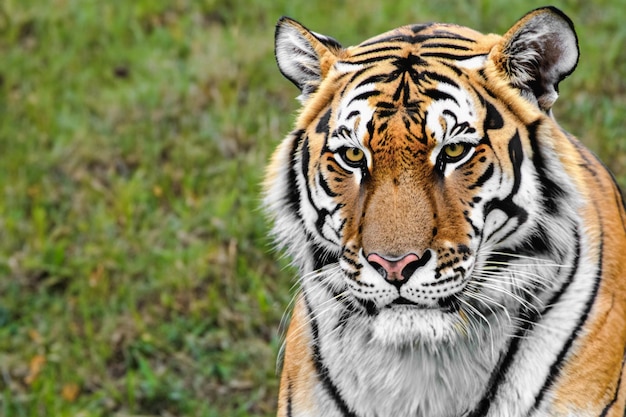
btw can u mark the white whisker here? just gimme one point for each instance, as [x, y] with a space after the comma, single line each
[504, 291]
[534, 277]
[312, 282]
[536, 323]
[514, 285]
[472, 308]
[487, 301]
[319, 312]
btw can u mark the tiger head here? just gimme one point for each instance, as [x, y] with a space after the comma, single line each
[418, 167]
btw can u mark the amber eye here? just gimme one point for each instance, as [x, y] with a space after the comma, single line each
[353, 156]
[455, 151]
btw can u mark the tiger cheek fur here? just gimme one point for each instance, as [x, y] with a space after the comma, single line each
[460, 254]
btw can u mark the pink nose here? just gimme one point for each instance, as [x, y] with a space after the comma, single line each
[395, 270]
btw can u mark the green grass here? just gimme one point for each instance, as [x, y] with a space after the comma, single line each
[135, 273]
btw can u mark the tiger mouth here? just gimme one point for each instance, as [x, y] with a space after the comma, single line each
[403, 301]
[450, 304]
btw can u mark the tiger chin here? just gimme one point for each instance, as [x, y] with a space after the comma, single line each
[460, 254]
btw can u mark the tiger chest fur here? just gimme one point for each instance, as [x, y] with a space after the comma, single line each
[460, 254]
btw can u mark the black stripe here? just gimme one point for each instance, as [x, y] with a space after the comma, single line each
[507, 205]
[386, 48]
[364, 96]
[321, 369]
[325, 186]
[351, 261]
[355, 75]
[305, 158]
[292, 194]
[398, 37]
[483, 178]
[530, 318]
[452, 67]
[446, 46]
[321, 221]
[475, 229]
[373, 79]
[416, 28]
[289, 399]
[370, 129]
[449, 56]
[323, 123]
[446, 34]
[382, 127]
[375, 60]
[552, 193]
[406, 64]
[402, 86]
[621, 210]
[439, 78]
[494, 119]
[555, 369]
[439, 95]
[321, 213]
[352, 114]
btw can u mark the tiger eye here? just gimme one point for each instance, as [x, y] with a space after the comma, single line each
[455, 150]
[354, 155]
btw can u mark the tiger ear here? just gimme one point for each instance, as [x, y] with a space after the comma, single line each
[539, 51]
[302, 55]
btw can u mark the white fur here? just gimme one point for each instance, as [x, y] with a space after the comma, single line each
[472, 63]
[441, 123]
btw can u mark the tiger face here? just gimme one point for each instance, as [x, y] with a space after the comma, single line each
[412, 177]
[412, 189]
[419, 195]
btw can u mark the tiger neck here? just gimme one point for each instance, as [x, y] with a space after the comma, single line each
[371, 379]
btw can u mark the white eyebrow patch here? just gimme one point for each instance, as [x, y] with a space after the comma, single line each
[345, 67]
[472, 63]
[351, 106]
[452, 120]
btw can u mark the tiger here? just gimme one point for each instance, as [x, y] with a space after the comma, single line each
[458, 252]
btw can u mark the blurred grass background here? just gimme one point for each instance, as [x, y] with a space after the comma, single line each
[135, 275]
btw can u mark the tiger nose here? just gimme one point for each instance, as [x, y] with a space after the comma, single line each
[395, 270]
